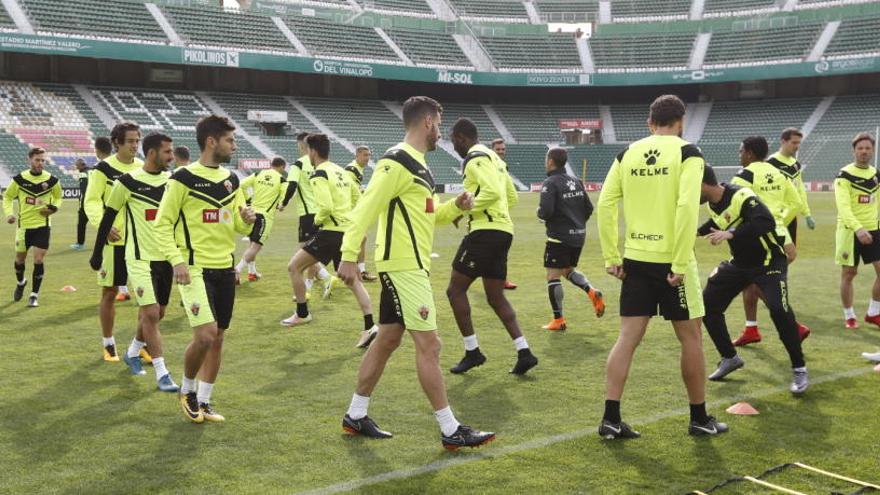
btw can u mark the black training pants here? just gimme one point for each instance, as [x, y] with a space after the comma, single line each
[728, 281]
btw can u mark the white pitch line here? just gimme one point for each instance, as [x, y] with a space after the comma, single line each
[547, 441]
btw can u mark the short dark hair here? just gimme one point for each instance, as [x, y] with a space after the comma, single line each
[213, 126]
[104, 145]
[278, 162]
[320, 143]
[666, 110]
[182, 152]
[497, 141]
[418, 107]
[791, 131]
[558, 156]
[35, 151]
[117, 135]
[757, 145]
[153, 141]
[466, 128]
[709, 176]
[302, 136]
[863, 136]
[78, 161]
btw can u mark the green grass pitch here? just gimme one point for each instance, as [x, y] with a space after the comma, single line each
[71, 423]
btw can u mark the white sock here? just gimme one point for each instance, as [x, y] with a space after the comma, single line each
[22, 282]
[849, 313]
[105, 341]
[751, 323]
[135, 348]
[358, 407]
[123, 289]
[159, 367]
[252, 267]
[188, 385]
[323, 274]
[802, 369]
[240, 266]
[520, 343]
[362, 267]
[470, 342]
[448, 423]
[204, 393]
[309, 283]
[874, 308]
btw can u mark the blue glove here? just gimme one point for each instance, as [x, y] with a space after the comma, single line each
[811, 224]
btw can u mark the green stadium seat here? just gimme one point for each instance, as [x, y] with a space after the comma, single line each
[855, 37]
[792, 43]
[642, 52]
[95, 18]
[426, 47]
[211, 26]
[554, 51]
[327, 38]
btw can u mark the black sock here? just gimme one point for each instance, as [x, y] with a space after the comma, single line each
[38, 277]
[554, 290]
[579, 279]
[368, 321]
[19, 273]
[302, 309]
[698, 413]
[612, 411]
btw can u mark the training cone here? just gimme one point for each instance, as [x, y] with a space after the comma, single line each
[68, 288]
[742, 408]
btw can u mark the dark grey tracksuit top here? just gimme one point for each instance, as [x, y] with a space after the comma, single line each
[565, 207]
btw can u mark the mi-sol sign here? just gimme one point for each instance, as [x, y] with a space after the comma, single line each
[452, 77]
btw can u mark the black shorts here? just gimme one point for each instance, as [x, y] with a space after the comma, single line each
[162, 274]
[559, 255]
[483, 253]
[307, 228]
[645, 290]
[120, 269]
[259, 229]
[38, 237]
[868, 254]
[325, 246]
[220, 289]
[792, 231]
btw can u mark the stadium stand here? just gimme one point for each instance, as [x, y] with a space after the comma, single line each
[762, 46]
[722, 8]
[639, 10]
[630, 122]
[6, 22]
[828, 147]
[408, 7]
[730, 122]
[855, 37]
[536, 53]
[642, 53]
[540, 123]
[567, 10]
[117, 20]
[507, 10]
[454, 111]
[599, 158]
[211, 26]
[331, 39]
[432, 48]
[526, 161]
